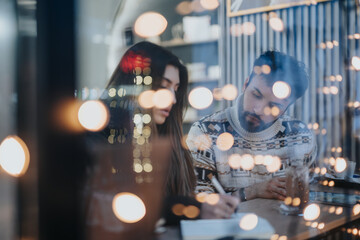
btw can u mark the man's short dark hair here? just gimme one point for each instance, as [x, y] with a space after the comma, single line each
[282, 68]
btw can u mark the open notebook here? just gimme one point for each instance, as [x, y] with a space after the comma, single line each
[219, 228]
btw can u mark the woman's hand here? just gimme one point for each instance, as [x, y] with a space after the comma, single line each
[224, 208]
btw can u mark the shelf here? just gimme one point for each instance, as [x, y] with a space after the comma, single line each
[181, 42]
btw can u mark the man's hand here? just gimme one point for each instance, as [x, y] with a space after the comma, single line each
[273, 188]
[224, 208]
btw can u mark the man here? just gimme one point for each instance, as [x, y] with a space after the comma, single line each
[261, 133]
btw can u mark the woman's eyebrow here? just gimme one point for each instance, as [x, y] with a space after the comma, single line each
[169, 81]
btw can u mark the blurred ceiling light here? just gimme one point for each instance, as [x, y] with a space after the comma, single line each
[128, 207]
[163, 98]
[247, 162]
[236, 30]
[355, 61]
[146, 99]
[276, 24]
[340, 165]
[200, 98]
[184, 8]
[209, 4]
[248, 222]
[225, 141]
[311, 212]
[93, 115]
[248, 28]
[150, 24]
[235, 161]
[229, 92]
[281, 89]
[14, 156]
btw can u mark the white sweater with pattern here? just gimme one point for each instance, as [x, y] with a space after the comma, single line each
[286, 138]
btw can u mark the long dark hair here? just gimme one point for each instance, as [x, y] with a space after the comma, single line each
[147, 59]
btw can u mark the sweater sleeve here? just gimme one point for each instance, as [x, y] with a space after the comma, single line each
[200, 146]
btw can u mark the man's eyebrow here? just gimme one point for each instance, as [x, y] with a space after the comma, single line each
[279, 105]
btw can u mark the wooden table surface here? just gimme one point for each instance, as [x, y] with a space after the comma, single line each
[295, 227]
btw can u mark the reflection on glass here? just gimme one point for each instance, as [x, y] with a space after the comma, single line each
[128, 207]
[14, 156]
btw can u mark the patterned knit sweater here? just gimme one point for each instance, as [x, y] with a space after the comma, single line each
[286, 138]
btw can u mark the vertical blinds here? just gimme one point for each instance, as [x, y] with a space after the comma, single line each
[324, 37]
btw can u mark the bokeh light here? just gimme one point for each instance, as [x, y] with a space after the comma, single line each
[163, 98]
[178, 209]
[248, 28]
[296, 202]
[356, 209]
[184, 8]
[235, 161]
[209, 4]
[200, 98]
[288, 200]
[203, 142]
[248, 222]
[265, 69]
[321, 226]
[150, 24]
[212, 198]
[201, 197]
[274, 165]
[217, 93]
[146, 99]
[339, 210]
[311, 212]
[247, 162]
[229, 92]
[276, 24]
[281, 89]
[236, 30]
[93, 115]
[128, 207]
[355, 61]
[340, 165]
[14, 156]
[225, 141]
[191, 211]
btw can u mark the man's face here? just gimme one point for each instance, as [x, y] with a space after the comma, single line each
[260, 107]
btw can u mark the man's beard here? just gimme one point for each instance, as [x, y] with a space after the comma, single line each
[250, 126]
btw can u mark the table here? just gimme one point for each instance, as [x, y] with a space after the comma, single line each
[293, 227]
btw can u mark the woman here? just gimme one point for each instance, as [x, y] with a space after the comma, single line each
[146, 66]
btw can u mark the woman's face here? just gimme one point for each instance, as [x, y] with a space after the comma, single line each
[170, 81]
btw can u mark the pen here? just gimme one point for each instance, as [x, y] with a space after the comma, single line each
[218, 186]
[216, 183]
